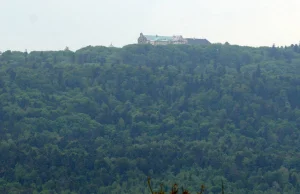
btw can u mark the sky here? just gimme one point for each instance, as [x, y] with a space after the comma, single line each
[55, 24]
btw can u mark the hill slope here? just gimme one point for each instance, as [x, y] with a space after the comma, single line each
[100, 120]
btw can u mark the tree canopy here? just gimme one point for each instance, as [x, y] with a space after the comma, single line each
[103, 119]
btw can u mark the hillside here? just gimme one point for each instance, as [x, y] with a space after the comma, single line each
[101, 120]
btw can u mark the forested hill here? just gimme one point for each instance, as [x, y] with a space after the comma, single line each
[101, 120]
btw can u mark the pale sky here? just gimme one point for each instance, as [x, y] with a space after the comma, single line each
[55, 24]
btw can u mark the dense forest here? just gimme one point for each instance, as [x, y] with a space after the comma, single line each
[103, 119]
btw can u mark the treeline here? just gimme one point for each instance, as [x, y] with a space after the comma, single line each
[101, 120]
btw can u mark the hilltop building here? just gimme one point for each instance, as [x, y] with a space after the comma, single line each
[164, 40]
[195, 41]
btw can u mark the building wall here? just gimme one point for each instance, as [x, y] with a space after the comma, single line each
[161, 43]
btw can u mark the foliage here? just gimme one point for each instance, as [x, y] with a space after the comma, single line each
[100, 119]
[175, 189]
